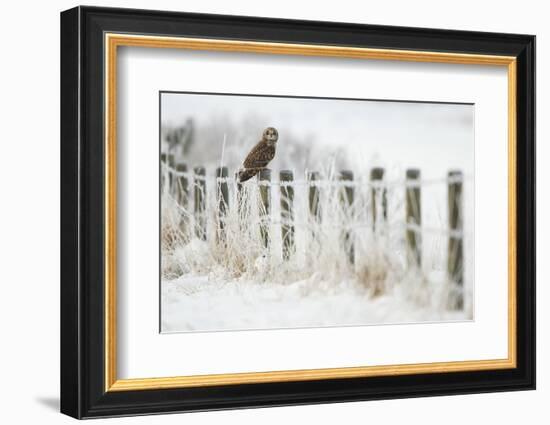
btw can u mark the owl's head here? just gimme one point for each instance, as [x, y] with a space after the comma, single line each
[270, 135]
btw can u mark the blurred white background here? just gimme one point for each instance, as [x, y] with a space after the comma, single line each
[29, 228]
[356, 133]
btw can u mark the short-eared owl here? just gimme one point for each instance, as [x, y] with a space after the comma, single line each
[260, 155]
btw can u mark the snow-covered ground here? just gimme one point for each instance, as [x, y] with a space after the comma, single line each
[197, 303]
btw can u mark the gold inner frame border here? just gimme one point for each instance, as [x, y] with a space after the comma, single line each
[113, 40]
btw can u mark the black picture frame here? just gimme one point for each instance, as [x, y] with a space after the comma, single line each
[83, 392]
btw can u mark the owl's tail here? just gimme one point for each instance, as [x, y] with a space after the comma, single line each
[246, 174]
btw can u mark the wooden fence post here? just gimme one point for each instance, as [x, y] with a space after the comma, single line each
[182, 194]
[413, 220]
[313, 178]
[240, 201]
[182, 185]
[376, 176]
[200, 202]
[346, 199]
[222, 194]
[264, 179]
[162, 171]
[171, 165]
[314, 194]
[455, 258]
[286, 178]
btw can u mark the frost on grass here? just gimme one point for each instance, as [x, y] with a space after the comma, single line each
[227, 279]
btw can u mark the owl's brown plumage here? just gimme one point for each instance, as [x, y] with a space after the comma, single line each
[260, 155]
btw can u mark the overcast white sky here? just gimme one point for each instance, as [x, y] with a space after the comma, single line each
[434, 137]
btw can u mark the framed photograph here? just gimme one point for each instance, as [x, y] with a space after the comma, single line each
[261, 212]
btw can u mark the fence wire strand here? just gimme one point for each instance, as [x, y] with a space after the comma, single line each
[374, 184]
[332, 183]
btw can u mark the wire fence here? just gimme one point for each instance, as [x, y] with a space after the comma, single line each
[336, 202]
[377, 184]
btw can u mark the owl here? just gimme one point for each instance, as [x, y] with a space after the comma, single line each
[260, 155]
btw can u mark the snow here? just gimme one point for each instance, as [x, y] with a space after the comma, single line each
[203, 303]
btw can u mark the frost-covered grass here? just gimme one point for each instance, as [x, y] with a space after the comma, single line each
[231, 280]
[202, 303]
